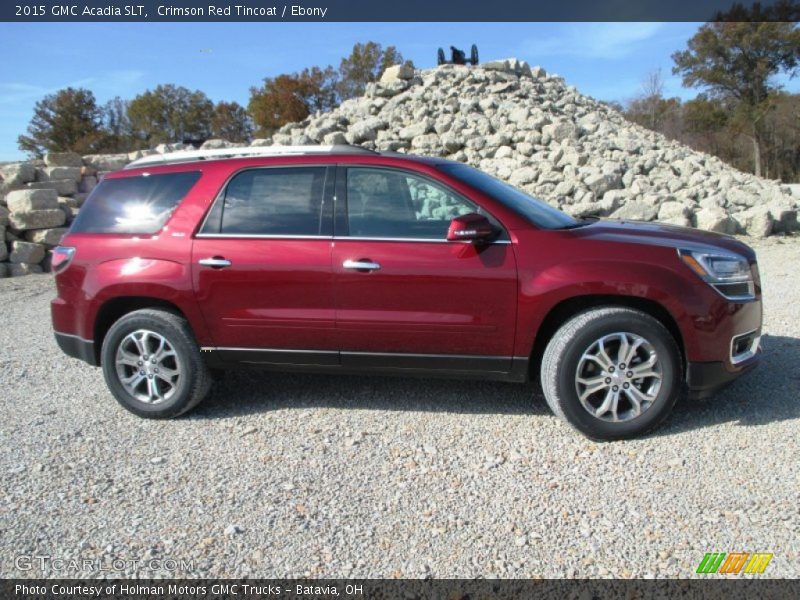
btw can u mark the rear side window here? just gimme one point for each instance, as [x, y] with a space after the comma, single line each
[274, 201]
[138, 204]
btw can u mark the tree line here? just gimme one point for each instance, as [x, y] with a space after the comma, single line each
[71, 119]
[741, 115]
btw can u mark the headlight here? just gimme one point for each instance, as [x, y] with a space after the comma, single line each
[729, 274]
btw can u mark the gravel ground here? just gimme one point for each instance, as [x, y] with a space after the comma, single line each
[294, 475]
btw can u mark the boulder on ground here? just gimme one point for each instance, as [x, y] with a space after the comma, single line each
[28, 200]
[37, 219]
[63, 159]
[397, 72]
[48, 237]
[108, 162]
[17, 174]
[635, 210]
[756, 221]
[63, 187]
[715, 219]
[19, 269]
[26, 252]
[215, 144]
[62, 173]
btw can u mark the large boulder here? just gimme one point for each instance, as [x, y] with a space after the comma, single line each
[756, 221]
[63, 159]
[785, 214]
[62, 187]
[635, 210]
[48, 237]
[558, 132]
[715, 219]
[26, 252]
[19, 269]
[397, 73]
[675, 213]
[51, 173]
[213, 144]
[28, 200]
[415, 129]
[17, 174]
[37, 219]
[365, 130]
[112, 162]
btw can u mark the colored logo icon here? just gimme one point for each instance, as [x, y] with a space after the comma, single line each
[734, 563]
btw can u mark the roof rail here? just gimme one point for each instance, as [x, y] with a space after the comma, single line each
[244, 151]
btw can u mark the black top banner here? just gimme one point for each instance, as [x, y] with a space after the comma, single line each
[407, 11]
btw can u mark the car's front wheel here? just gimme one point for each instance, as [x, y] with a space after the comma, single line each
[612, 373]
[152, 364]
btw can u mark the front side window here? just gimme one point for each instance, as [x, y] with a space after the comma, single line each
[383, 203]
[537, 212]
[274, 201]
[140, 204]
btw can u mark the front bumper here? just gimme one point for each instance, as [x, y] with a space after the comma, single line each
[77, 347]
[706, 378]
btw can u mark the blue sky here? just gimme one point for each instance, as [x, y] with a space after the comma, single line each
[605, 60]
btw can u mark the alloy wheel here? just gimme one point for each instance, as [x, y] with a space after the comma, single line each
[148, 366]
[618, 377]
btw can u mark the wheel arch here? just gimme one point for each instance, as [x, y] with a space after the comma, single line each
[115, 308]
[569, 307]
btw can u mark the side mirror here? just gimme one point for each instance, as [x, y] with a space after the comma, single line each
[471, 227]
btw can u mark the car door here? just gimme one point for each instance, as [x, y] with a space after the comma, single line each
[262, 266]
[407, 297]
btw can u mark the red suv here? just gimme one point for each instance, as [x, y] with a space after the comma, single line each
[340, 259]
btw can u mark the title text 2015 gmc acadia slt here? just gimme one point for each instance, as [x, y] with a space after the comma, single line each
[340, 259]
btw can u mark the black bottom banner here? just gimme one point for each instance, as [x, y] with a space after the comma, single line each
[390, 589]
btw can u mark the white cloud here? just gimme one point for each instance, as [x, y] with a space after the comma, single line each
[107, 84]
[591, 40]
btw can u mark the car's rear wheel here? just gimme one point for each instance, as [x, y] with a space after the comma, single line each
[612, 373]
[152, 364]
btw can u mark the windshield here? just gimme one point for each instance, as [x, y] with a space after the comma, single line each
[537, 212]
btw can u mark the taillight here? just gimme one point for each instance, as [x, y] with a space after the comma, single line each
[62, 256]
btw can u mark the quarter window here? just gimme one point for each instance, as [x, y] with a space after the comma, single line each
[385, 203]
[275, 201]
[139, 204]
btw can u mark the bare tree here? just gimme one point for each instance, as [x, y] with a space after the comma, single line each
[652, 96]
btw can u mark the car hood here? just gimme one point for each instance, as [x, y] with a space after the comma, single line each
[659, 234]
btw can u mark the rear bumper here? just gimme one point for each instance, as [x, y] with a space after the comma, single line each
[706, 378]
[77, 347]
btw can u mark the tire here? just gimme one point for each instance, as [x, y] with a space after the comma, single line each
[578, 344]
[174, 393]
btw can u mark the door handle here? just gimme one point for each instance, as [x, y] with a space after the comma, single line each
[216, 262]
[361, 265]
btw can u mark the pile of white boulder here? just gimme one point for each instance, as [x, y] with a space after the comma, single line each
[534, 131]
[504, 117]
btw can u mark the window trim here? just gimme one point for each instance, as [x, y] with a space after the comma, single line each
[341, 219]
[327, 214]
